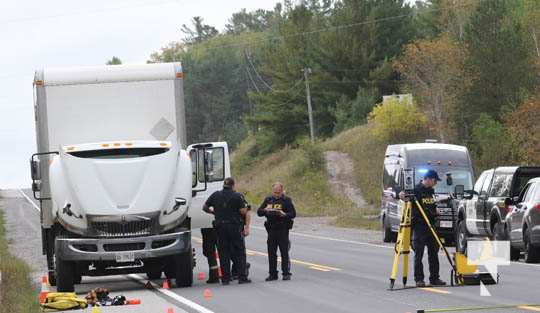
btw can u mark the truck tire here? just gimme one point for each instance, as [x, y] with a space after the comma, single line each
[183, 265]
[386, 231]
[65, 275]
[461, 237]
[153, 269]
[515, 253]
[532, 253]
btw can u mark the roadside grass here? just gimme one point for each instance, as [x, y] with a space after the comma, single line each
[16, 292]
[301, 170]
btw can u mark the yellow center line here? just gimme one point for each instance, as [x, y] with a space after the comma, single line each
[435, 290]
[318, 267]
[530, 308]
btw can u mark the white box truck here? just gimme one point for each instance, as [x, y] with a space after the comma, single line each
[119, 190]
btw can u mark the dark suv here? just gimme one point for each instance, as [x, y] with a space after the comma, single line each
[523, 223]
[482, 211]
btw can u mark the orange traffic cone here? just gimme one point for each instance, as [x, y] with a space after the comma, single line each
[201, 276]
[166, 284]
[44, 289]
[170, 310]
[207, 294]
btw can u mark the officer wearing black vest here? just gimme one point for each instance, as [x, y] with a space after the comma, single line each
[280, 212]
[421, 234]
[229, 207]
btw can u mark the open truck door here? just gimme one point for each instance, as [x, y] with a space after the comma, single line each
[210, 166]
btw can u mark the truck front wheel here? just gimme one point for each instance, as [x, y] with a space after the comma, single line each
[183, 266]
[65, 275]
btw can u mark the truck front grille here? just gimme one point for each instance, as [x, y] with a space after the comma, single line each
[123, 226]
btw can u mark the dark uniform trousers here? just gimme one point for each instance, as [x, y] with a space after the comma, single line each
[278, 238]
[421, 240]
[209, 246]
[231, 247]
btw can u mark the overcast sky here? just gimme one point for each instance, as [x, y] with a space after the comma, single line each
[36, 34]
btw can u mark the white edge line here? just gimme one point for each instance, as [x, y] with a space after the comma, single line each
[172, 295]
[335, 239]
[29, 200]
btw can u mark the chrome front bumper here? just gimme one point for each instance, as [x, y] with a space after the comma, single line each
[105, 249]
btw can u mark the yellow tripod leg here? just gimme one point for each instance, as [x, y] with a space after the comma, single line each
[406, 240]
[402, 245]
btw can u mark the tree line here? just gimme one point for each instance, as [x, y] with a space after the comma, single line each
[472, 67]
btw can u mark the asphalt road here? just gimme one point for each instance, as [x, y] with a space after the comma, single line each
[332, 272]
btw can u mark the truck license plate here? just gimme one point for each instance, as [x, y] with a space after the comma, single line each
[446, 224]
[123, 257]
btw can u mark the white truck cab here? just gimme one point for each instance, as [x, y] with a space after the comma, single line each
[119, 190]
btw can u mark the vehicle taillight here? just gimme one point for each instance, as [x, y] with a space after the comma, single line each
[537, 207]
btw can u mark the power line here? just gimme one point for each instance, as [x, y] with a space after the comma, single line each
[255, 70]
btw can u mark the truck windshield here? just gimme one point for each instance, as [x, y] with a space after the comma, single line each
[123, 153]
[459, 177]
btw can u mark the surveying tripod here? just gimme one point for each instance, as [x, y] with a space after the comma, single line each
[403, 241]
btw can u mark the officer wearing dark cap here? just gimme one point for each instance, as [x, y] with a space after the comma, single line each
[421, 234]
[229, 207]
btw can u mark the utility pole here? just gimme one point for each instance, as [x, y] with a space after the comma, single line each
[307, 71]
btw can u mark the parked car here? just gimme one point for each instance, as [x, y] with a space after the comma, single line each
[452, 163]
[523, 223]
[482, 211]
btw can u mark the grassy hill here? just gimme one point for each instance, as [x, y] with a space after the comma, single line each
[302, 171]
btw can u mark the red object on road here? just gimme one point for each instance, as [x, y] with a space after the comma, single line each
[166, 284]
[207, 294]
[133, 301]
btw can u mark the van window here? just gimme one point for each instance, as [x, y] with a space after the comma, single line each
[125, 153]
[501, 185]
[390, 176]
[460, 176]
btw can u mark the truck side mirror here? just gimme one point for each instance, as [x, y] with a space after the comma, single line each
[35, 170]
[449, 179]
[36, 186]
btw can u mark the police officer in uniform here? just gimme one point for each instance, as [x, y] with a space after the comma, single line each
[421, 234]
[279, 212]
[229, 207]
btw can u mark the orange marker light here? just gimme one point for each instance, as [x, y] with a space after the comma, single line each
[179, 75]
[163, 144]
[70, 148]
[105, 145]
[116, 144]
[128, 144]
